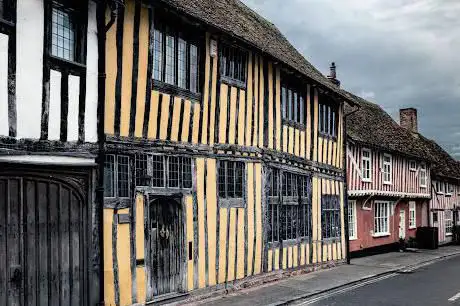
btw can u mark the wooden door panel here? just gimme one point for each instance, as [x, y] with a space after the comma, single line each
[165, 245]
[42, 234]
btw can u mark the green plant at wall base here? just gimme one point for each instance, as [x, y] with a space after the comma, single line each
[412, 242]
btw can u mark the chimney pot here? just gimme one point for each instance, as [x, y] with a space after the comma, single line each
[333, 74]
[408, 119]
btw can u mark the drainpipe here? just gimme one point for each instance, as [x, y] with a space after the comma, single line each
[102, 28]
[345, 188]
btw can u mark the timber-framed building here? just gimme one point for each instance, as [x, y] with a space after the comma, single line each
[223, 154]
[49, 220]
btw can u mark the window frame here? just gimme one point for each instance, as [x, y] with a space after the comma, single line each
[390, 169]
[241, 51]
[439, 187]
[412, 215]
[293, 96]
[226, 200]
[166, 165]
[412, 167]
[368, 160]
[169, 26]
[79, 16]
[385, 231]
[449, 189]
[328, 112]
[352, 215]
[295, 199]
[423, 174]
[448, 222]
[334, 209]
[115, 177]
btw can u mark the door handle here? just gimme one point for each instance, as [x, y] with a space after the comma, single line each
[16, 274]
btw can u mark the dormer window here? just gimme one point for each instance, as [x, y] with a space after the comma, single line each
[233, 65]
[387, 169]
[292, 101]
[327, 117]
[175, 58]
[412, 165]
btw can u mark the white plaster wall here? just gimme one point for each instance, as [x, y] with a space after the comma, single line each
[54, 121]
[72, 113]
[29, 67]
[91, 76]
[4, 126]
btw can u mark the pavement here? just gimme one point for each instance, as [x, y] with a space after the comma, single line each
[295, 289]
[435, 285]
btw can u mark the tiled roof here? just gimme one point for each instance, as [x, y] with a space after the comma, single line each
[237, 20]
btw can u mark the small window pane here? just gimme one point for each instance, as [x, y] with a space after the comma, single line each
[193, 68]
[123, 176]
[158, 177]
[109, 176]
[186, 172]
[182, 63]
[170, 75]
[173, 172]
[222, 178]
[158, 55]
[141, 170]
[62, 35]
[233, 62]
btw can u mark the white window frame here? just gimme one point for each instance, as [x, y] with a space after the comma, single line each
[439, 187]
[412, 215]
[352, 220]
[412, 165]
[449, 189]
[423, 178]
[448, 222]
[382, 225]
[390, 170]
[366, 165]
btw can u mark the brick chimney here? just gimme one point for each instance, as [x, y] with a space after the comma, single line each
[333, 75]
[408, 119]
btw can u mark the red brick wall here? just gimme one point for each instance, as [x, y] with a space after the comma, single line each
[365, 224]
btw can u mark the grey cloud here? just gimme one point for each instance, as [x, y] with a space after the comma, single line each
[404, 53]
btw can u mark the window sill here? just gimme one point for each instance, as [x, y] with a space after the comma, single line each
[327, 136]
[366, 180]
[294, 124]
[232, 202]
[352, 238]
[424, 187]
[387, 183]
[439, 193]
[380, 235]
[412, 227]
[232, 82]
[412, 170]
[448, 234]
[175, 91]
[448, 195]
[58, 62]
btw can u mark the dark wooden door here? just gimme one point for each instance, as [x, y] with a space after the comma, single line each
[43, 244]
[166, 245]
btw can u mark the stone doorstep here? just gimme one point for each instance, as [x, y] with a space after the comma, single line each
[250, 283]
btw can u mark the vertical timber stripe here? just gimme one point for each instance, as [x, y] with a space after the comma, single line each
[4, 75]
[196, 122]
[206, 96]
[143, 73]
[164, 111]
[170, 117]
[261, 102]
[186, 121]
[119, 57]
[135, 67]
[64, 105]
[148, 105]
[159, 115]
[241, 117]
[237, 114]
[111, 60]
[181, 119]
[212, 99]
[190, 130]
[127, 68]
[249, 103]
[256, 102]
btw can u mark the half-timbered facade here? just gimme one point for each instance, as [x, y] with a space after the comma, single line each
[48, 134]
[224, 152]
[445, 186]
[388, 177]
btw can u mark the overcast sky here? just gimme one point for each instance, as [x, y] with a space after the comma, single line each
[398, 53]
